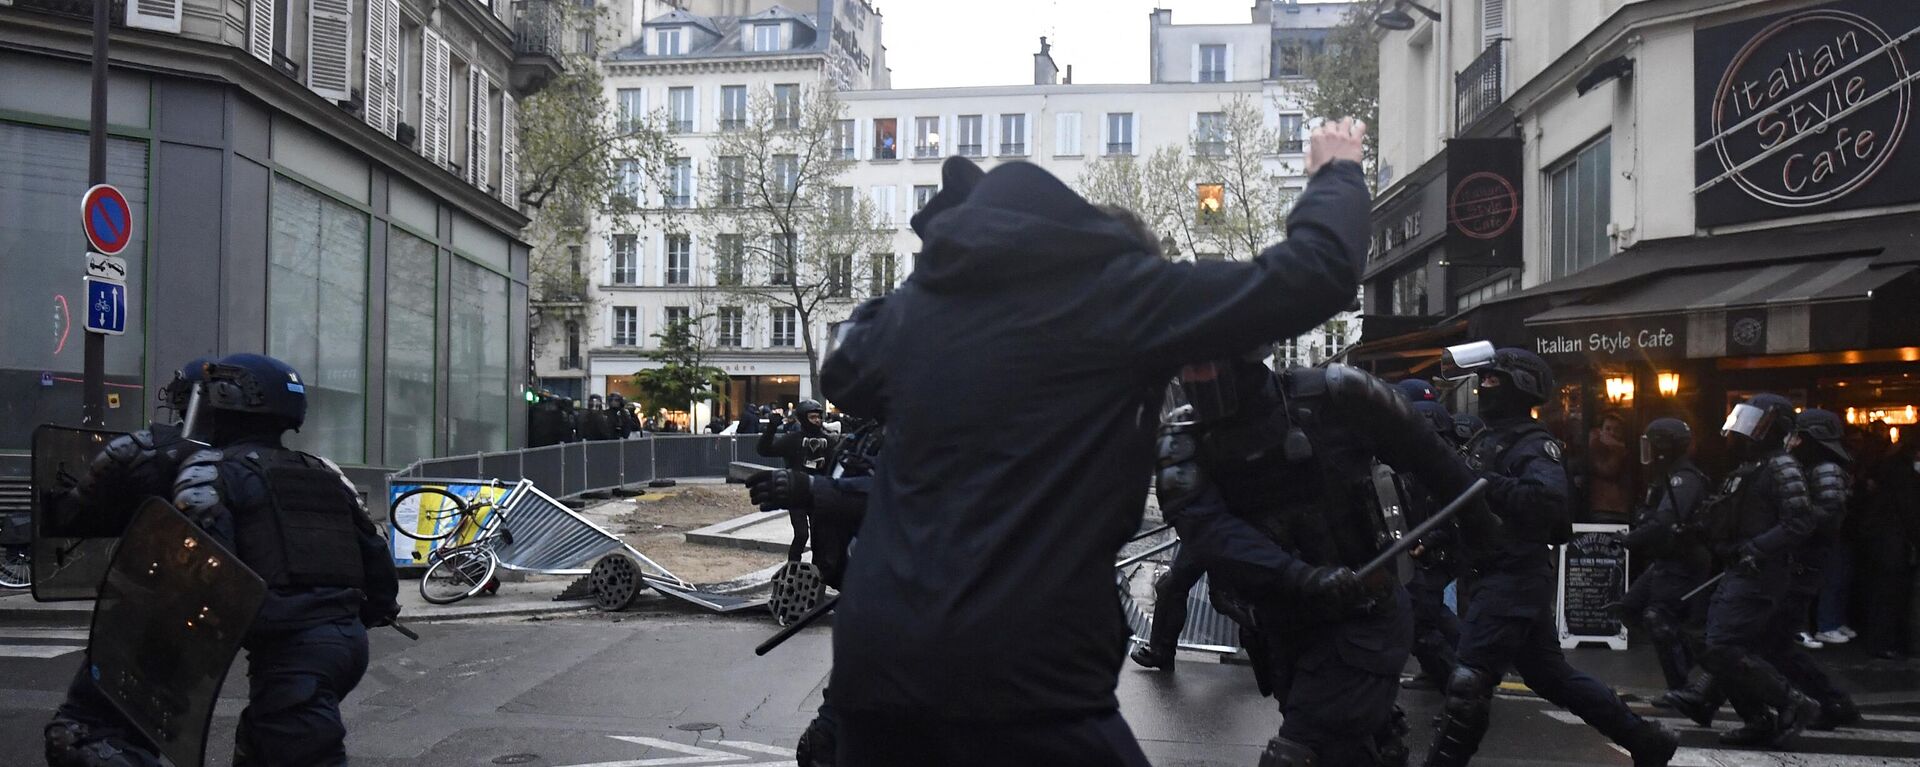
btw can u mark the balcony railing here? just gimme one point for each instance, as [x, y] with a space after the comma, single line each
[730, 124]
[1213, 75]
[926, 150]
[1119, 147]
[1293, 146]
[1210, 148]
[572, 362]
[843, 153]
[883, 152]
[1019, 148]
[537, 28]
[1480, 87]
[562, 290]
[679, 126]
[972, 150]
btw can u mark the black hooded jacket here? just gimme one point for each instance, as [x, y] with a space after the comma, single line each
[1019, 371]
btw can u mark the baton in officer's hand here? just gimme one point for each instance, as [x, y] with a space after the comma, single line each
[1412, 538]
[794, 628]
[404, 631]
[1703, 587]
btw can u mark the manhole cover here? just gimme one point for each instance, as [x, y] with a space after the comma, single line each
[697, 726]
[516, 758]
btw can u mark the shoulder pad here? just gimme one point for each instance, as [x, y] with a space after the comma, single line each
[1783, 466]
[1677, 480]
[1306, 382]
[1552, 448]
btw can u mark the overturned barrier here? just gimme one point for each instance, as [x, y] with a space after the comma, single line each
[1206, 630]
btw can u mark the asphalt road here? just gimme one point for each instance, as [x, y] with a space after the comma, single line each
[670, 687]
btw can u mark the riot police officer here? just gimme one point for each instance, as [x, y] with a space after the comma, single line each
[87, 730]
[1510, 617]
[297, 522]
[835, 503]
[1667, 531]
[1271, 482]
[806, 446]
[1436, 629]
[1817, 441]
[1761, 516]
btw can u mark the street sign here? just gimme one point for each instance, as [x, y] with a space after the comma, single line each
[102, 267]
[106, 307]
[107, 218]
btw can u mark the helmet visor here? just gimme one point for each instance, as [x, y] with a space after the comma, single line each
[1646, 451]
[1469, 356]
[1747, 421]
[193, 422]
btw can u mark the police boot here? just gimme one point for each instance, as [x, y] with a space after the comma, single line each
[1146, 656]
[1286, 753]
[1794, 717]
[817, 747]
[1652, 745]
[1834, 713]
[1699, 700]
[66, 749]
[1757, 729]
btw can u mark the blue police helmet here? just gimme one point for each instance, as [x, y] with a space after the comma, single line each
[256, 383]
[1417, 390]
[179, 391]
[1436, 415]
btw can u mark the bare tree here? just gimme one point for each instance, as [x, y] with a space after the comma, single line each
[789, 236]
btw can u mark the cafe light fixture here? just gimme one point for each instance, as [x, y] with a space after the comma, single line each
[1669, 383]
[1620, 388]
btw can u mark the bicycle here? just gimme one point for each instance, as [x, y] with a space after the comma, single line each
[16, 566]
[462, 570]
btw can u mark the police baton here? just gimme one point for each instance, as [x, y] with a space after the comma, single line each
[1412, 538]
[404, 631]
[794, 628]
[1703, 587]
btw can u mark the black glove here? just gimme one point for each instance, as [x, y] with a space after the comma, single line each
[1749, 559]
[1332, 591]
[374, 616]
[782, 489]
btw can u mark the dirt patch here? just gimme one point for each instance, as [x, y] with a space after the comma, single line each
[657, 523]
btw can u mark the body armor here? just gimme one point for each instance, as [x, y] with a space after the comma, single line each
[293, 518]
[129, 469]
[1759, 498]
[1488, 452]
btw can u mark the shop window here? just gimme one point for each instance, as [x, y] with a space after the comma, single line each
[42, 298]
[317, 314]
[1212, 199]
[412, 273]
[478, 344]
[1579, 191]
[1410, 293]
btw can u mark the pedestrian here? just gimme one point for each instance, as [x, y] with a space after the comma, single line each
[87, 729]
[749, 420]
[717, 424]
[1670, 532]
[1609, 471]
[1019, 371]
[1889, 529]
[1510, 618]
[298, 523]
[1765, 515]
[1817, 443]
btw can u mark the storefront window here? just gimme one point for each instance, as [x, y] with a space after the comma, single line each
[317, 314]
[412, 271]
[478, 393]
[42, 299]
[1410, 293]
[1580, 192]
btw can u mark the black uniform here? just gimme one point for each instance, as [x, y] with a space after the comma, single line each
[87, 730]
[1510, 616]
[1666, 531]
[1019, 371]
[1436, 627]
[805, 447]
[1170, 609]
[1280, 501]
[1828, 487]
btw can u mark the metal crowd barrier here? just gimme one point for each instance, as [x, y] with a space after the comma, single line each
[573, 468]
[1205, 630]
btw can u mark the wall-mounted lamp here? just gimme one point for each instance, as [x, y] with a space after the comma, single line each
[1398, 20]
[1669, 384]
[1619, 389]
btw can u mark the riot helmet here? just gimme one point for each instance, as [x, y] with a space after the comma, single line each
[1219, 389]
[1465, 426]
[1665, 441]
[809, 413]
[1417, 390]
[1436, 416]
[1512, 380]
[177, 395]
[1763, 421]
[1823, 428]
[258, 385]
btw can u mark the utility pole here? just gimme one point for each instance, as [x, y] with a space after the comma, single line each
[93, 389]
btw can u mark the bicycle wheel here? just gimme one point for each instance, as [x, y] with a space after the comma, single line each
[427, 513]
[458, 574]
[16, 567]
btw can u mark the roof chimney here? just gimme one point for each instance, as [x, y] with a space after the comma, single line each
[1044, 71]
[1069, 78]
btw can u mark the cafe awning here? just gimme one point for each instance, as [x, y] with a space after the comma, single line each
[1846, 279]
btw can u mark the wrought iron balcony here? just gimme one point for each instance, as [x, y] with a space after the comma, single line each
[1119, 147]
[1480, 87]
[1013, 149]
[539, 32]
[572, 362]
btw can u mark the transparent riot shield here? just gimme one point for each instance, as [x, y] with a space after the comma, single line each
[70, 552]
[172, 611]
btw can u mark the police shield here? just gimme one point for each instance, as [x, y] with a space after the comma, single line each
[1391, 505]
[70, 553]
[172, 611]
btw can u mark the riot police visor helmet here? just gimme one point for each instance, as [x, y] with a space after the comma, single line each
[176, 395]
[256, 383]
[1666, 440]
[1437, 416]
[809, 411]
[1465, 426]
[1524, 371]
[1823, 427]
[1763, 418]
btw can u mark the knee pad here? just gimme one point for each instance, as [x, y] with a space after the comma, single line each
[1286, 753]
[1660, 627]
[1469, 683]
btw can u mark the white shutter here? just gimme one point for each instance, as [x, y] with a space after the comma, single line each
[509, 152]
[1066, 134]
[159, 15]
[378, 81]
[329, 47]
[1493, 21]
[479, 127]
[434, 116]
[260, 30]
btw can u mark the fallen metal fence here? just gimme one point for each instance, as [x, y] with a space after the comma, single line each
[573, 468]
[1206, 629]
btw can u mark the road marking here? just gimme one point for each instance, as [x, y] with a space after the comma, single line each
[1705, 757]
[27, 633]
[1842, 735]
[1644, 710]
[695, 754]
[36, 650]
[745, 745]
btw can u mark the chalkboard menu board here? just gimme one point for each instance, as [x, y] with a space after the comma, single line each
[1593, 574]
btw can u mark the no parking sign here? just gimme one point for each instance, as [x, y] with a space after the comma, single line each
[107, 218]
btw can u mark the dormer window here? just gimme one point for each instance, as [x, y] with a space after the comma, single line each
[766, 37]
[667, 42]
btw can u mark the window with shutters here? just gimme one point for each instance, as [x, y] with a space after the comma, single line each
[633, 105]
[1493, 22]
[329, 47]
[786, 106]
[436, 96]
[923, 194]
[843, 139]
[883, 205]
[380, 79]
[729, 260]
[479, 128]
[629, 186]
[840, 275]
[261, 15]
[626, 326]
[1210, 134]
[1213, 64]
[733, 107]
[786, 172]
[731, 320]
[679, 266]
[680, 176]
[840, 204]
[158, 15]
[1120, 133]
[781, 271]
[509, 151]
[881, 281]
[1066, 134]
[679, 110]
[626, 259]
[973, 135]
[677, 316]
[785, 327]
[926, 137]
[1013, 135]
[733, 181]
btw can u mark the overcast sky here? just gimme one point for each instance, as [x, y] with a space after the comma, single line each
[937, 43]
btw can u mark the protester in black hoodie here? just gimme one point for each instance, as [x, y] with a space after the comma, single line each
[1019, 371]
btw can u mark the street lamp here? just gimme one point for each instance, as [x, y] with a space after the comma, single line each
[1399, 21]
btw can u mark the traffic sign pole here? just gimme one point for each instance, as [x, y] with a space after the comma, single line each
[93, 387]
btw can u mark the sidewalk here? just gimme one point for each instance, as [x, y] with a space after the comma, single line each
[515, 599]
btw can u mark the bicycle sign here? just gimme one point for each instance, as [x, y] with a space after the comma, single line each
[106, 306]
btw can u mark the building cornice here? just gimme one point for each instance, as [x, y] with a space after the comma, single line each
[895, 94]
[669, 66]
[185, 57]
